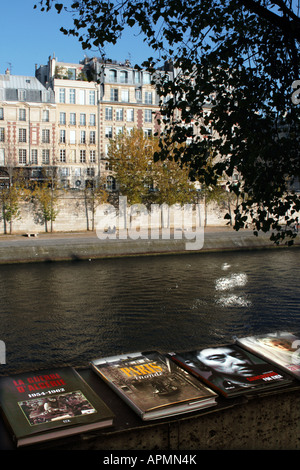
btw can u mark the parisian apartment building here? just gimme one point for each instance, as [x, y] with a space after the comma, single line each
[64, 115]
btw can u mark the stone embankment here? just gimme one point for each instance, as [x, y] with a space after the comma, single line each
[22, 248]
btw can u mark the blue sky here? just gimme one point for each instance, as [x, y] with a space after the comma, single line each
[29, 37]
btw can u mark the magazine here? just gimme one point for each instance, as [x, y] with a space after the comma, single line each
[230, 370]
[281, 348]
[152, 385]
[42, 405]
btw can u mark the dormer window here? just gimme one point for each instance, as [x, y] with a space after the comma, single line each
[112, 76]
[22, 95]
[123, 77]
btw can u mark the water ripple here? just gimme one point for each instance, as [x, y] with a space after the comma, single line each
[235, 280]
[74, 312]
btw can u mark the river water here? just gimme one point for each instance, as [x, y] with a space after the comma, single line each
[72, 312]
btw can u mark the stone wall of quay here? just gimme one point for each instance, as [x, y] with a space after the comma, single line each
[73, 214]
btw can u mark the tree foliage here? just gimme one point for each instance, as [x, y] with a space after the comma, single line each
[142, 180]
[239, 58]
[12, 192]
[44, 195]
[10, 197]
[131, 160]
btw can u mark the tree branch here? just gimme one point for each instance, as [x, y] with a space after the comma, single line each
[288, 27]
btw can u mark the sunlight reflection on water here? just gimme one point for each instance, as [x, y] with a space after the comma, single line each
[72, 312]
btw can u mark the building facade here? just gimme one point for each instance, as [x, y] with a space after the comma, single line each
[27, 125]
[94, 101]
[77, 108]
[64, 116]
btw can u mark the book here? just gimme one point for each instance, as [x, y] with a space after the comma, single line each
[231, 370]
[41, 405]
[281, 348]
[152, 385]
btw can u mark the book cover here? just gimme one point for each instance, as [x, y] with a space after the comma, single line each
[231, 370]
[281, 348]
[46, 404]
[152, 385]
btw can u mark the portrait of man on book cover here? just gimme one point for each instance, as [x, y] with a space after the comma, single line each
[230, 367]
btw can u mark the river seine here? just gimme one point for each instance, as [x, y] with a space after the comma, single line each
[72, 312]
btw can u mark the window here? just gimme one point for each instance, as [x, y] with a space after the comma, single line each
[138, 94]
[93, 156]
[1, 114]
[147, 132]
[81, 96]
[46, 136]
[22, 135]
[108, 114]
[124, 77]
[62, 136]
[22, 114]
[45, 115]
[92, 119]
[82, 137]
[72, 137]
[112, 76]
[90, 172]
[130, 115]
[71, 74]
[82, 119]
[62, 156]
[72, 119]
[92, 137]
[2, 157]
[35, 173]
[22, 157]
[146, 78]
[82, 156]
[92, 97]
[62, 118]
[46, 96]
[148, 115]
[22, 95]
[110, 183]
[34, 156]
[62, 95]
[2, 134]
[137, 77]
[114, 95]
[148, 97]
[119, 114]
[72, 96]
[46, 156]
[64, 172]
[108, 132]
[125, 96]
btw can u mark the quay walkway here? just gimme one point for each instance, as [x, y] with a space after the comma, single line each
[56, 246]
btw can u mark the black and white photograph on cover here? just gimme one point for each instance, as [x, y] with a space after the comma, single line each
[229, 367]
[41, 410]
